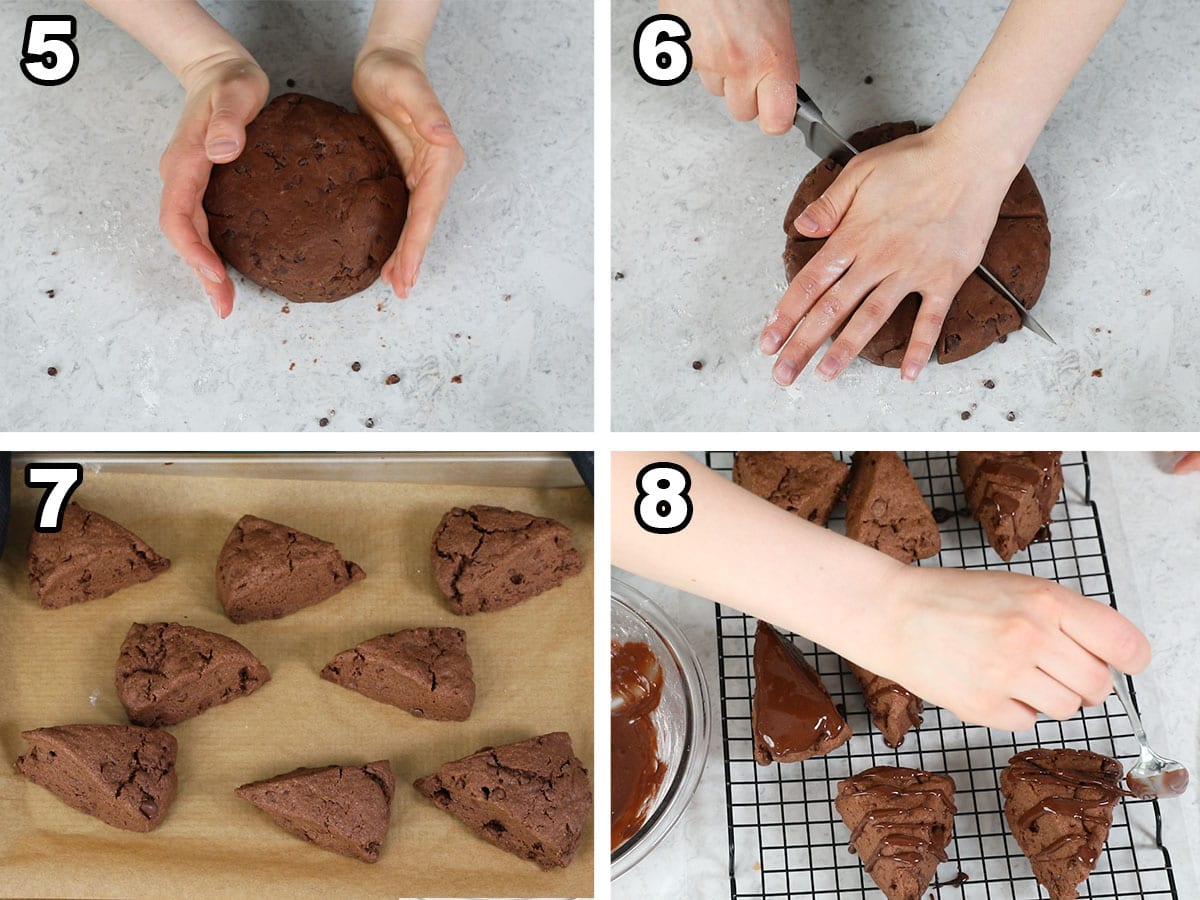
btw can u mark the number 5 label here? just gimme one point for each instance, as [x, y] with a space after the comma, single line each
[48, 56]
[663, 505]
[62, 479]
[660, 51]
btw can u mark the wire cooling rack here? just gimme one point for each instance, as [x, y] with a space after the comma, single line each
[786, 839]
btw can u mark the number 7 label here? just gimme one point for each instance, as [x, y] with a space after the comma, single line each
[62, 479]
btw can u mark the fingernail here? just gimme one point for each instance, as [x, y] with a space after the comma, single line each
[784, 373]
[221, 147]
[828, 368]
[443, 127]
[807, 222]
[216, 307]
[209, 274]
[768, 344]
[910, 371]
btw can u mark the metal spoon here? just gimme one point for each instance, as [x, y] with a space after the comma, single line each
[1153, 776]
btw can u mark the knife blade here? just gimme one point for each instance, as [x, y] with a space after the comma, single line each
[825, 141]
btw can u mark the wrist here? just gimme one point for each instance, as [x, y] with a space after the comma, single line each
[230, 60]
[982, 150]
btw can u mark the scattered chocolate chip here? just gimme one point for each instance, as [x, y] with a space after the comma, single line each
[989, 384]
[974, 406]
[393, 379]
[370, 423]
[50, 293]
[286, 309]
[54, 253]
[323, 421]
[1012, 416]
[291, 82]
[619, 276]
[457, 379]
[1097, 373]
[52, 371]
[1146, 292]
[695, 240]
[1003, 339]
[507, 297]
[378, 307]
[1097, 330]
[291, 367]
[456, 334]
[355, 366]
[965, 415]
[697, 364]
[870, 79]
[941, 514]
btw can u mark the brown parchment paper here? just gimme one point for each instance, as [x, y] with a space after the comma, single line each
[533, 671]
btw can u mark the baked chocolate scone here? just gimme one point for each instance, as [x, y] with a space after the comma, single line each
[315, 204]
[1018, 254]
[809, 484]
[267, 570]
[487, 558]
[792, 714]
[1059, 806]
[91, 557]
[346, 809]
[894, 709]
[423, 670]
[167, 672]
[1012, 494]
[900, 822]
[121, 774]
[885, 509]
[531, 798]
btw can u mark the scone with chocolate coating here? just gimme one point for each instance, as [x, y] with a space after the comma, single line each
[1012, 494]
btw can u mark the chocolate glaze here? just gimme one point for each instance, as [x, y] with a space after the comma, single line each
[637, 772]
[794, 716]
[1007, 506]
[957, 881]
[1170, 783]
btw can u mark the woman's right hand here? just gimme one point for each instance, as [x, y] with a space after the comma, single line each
[224, 94]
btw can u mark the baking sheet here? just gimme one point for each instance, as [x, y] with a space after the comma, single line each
[533, 671]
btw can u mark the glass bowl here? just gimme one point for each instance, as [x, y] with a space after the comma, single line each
[682, 719]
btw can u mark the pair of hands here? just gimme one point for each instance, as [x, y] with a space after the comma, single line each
[913, 215]
[225, 93]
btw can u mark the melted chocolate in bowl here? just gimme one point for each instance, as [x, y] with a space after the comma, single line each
[637, 772]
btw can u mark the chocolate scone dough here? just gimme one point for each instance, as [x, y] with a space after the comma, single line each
[346, 809]
[487, 558]
[425, 671]
[313, 207]
[531, 798]
[89, 558]
[1018, 254]
[167, 672]
[807, 483]
[121, 774]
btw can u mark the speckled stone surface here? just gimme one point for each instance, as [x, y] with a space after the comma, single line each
[699, 200]
[92, 289]
[1150, 521]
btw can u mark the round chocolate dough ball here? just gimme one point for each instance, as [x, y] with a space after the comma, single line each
[314, 205]
[1018, 254]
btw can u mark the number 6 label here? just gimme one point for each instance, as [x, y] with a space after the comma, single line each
[663, 505]
[62, 479]
[660, 51]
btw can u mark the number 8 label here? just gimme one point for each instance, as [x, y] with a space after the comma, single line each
[663, 505]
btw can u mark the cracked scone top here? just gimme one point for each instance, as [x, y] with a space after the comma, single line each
[167, 672]
[487, 558]
[531, 798]
[314, 205]
[346, 809]
[885, 509]
[121, 774]
[89, 558]
[267, 570]
[806, 483]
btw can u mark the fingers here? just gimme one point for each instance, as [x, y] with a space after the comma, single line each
[824, 214]
[411, 100]
[817, 276]
[741, 96]
[1078, 671]
[867, 320]
[713, 82]
[1105, 633]
[185, 176]
[927, 329]
[1010, 715]
[776, 100]
[425, 205]
[1189, 463]
[234, 104]
[1039, 691]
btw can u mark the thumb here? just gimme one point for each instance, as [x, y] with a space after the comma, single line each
[824, 214]
[428, 116]
[233, 106]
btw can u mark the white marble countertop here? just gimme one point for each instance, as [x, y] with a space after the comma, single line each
[699, 202]
[1150, 521]
[93, 289]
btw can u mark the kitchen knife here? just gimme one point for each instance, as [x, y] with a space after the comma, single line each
[823, 140]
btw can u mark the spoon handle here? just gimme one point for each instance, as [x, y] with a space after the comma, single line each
[1121, 686]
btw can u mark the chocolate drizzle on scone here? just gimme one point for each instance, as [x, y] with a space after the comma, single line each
[1012, 494]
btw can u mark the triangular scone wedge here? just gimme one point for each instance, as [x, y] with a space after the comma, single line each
[900, 822]
[90, 557]
[894, 709]
[807, 483]
[792, 714]
[1059, 806]
[425, 671]
[167, 672]
[885, 509]
[121, 774]
[487, 558]
[346, 809]
[1012, 494]
[531, 798]
[267, 570]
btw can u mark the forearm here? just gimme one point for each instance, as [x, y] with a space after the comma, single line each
[744, 552]
[178, 32]
[1024, 72]
[404, 24]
